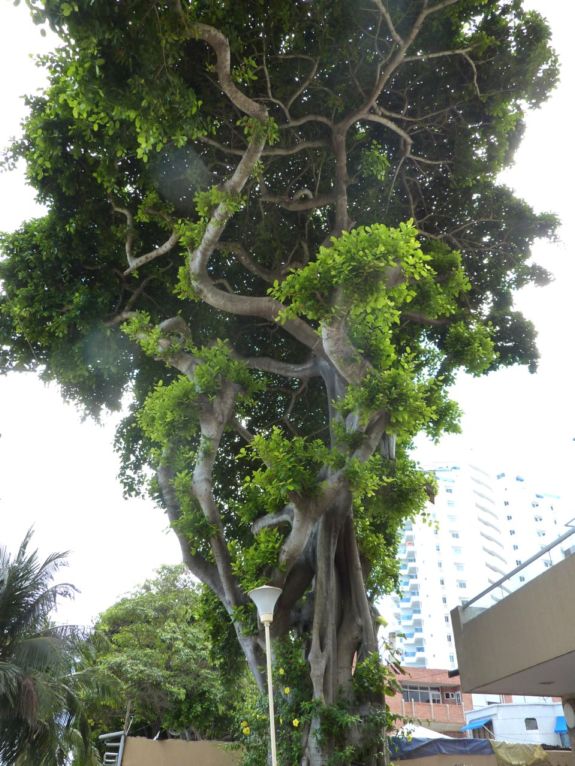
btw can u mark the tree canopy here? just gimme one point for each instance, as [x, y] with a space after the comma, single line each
[278, 227]
[172, 681]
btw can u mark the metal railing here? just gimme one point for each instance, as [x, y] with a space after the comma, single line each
[114, 743]
[515, 579]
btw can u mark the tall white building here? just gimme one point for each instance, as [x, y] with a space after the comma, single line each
[479, 528]
[532, 520]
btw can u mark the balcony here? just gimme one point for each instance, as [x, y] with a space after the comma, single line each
[440, 716]
[524, 643]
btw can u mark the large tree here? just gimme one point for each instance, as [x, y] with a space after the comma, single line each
[278, 226]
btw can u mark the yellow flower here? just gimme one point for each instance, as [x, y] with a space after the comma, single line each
[287, 690]
[246, 730]
[295, 722]
[244, 724]
[281, 672]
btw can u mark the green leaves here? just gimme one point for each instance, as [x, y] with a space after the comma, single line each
[362, 263]
[374, 162]
[291, 466]
[149, 641]
[41, 715]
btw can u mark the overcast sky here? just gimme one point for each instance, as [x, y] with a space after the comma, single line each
[58, 473]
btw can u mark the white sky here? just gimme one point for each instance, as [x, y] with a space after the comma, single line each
[58, 473]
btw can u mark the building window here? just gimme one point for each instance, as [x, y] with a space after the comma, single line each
[439, 565]
[451, 658]
[509, 518]
[421, 693]
[511, 531]
[455, 535]
[515, 547]
[540, 533]
[461, 584]
[449, 638]
[518, 561]
[444, 599]
[438, 548]
[456, 551]
[449, 490]
[506, 502]
[546, 564]
[459, 567]
[521, 579]
[446, 618]
[538, 518]
[531, 724]
[442, 581]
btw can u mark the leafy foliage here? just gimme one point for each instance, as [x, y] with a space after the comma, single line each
[170, 679]
[42, 721]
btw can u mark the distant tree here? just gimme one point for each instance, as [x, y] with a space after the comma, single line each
[278, 225]
[172, 682]
[41, 717]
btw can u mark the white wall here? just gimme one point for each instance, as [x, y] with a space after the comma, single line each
[509, 722]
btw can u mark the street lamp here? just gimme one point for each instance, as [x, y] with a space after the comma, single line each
[265, 598]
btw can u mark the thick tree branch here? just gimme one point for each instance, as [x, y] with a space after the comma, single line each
[342, 353]
[247, 261]
[387, 16]
[308, 369]
[168, 245]
[199, 567]
[285, 516]
[274, 151]
[130, 231]
[265, 308]
[299, 121]
[220, 45]
[300, 203]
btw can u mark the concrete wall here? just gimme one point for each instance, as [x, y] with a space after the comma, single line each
[174, 752]
[521, 645]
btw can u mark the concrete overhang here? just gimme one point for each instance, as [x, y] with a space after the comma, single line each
[523, 644]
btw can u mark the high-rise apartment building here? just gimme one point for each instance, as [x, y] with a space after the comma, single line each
[478, 529]
[531, 521]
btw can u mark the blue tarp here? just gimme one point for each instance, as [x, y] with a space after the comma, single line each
[477, 724]
[402, 748]
[560, 725]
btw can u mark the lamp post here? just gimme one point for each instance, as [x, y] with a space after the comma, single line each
[265, 598]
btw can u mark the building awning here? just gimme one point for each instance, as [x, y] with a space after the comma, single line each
[477, 724]
[560, 725]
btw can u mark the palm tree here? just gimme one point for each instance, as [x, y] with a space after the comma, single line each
[41, 719]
